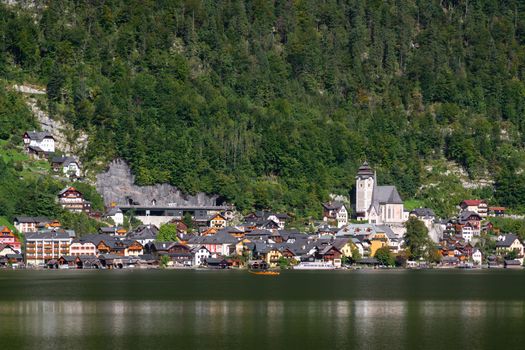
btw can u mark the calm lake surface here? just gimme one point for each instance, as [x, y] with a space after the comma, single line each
[232, 309]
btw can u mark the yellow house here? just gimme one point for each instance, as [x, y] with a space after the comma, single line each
[377, 241]
[240, 247]
[272, 257]
[218, 221]
[345, 246]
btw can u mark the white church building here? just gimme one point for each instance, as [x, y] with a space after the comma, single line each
[380, 205]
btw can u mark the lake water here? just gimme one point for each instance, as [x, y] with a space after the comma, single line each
[233, 309]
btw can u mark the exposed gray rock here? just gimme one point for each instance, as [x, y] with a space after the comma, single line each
[78, 139]
[117, 185]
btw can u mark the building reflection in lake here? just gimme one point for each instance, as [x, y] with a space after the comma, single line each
[343, 323]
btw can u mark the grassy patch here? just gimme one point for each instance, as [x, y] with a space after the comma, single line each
[411, 204]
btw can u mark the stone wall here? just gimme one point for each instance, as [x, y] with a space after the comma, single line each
[117, 185]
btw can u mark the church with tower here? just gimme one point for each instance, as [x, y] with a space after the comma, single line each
[380, 205]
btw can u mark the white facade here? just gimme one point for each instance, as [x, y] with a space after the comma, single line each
[477, 257]
[71, 169]
[47, 144]
[342, 217]
[82, 248]
[46, 247]
[467, 233]
[200, 255]
[363, 195]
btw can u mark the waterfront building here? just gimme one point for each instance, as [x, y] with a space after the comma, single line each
[80, 247]
[8, 237]
[44, 246]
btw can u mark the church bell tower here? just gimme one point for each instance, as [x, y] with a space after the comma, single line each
[364, 189]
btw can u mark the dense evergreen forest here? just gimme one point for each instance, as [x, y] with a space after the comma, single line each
[276, 103]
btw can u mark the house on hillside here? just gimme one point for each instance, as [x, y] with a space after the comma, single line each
[217, 221]
[497, 211]
[73, 200]
[39, 144]
[335, 211]
[508, 243]
[477, 206]
[115, 214]
[68, 166]
[8, 237]
[30, 223]
[472, 218]
[426, 215]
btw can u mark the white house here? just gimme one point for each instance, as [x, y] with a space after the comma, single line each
[477, 257]
[39, 140]
[335, 211]
[467, 232]
[426, 215]
[66, 165]
[116, 215]
[200, 254]
[509, 242]
[477, 206]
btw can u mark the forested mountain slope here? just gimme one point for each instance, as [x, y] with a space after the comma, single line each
[276, 103]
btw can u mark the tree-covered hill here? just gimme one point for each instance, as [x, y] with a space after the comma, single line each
[276, 103]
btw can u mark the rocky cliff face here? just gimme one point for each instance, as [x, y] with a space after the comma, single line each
[68, 140]
[117, 185]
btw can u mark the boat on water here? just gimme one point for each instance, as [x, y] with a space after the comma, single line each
[265, 273]
[314, 266]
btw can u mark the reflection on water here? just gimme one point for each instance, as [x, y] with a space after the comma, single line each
[342, 324]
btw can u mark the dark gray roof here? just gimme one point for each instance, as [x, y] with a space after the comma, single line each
[386, 195]
[47, 235]
[220, 237]
[365, 171]
[39, 135]
[423, 212]
[36, 148]
[144, 232]
[334, 205]
[507, 241]
[97, 238]
[513, 262]
[112, 211]
[65, 161]
[465, 215]
[31, 219]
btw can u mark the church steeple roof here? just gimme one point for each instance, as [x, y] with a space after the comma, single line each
[365, 171]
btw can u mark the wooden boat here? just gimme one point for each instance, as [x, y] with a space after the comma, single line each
[264, 273]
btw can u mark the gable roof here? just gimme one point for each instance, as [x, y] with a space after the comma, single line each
[472, 202]
[65, 161]
[334, 205]
[386, 195]
[463, 217]
[423, 212]
[38, 135]
[31, 219]
[506, 241]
